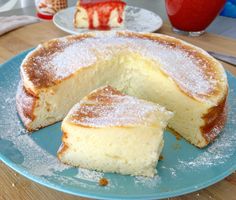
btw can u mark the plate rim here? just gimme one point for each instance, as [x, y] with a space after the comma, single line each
[74, 32]
[22, 171]
[180, 192]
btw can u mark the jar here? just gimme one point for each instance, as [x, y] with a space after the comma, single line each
[47, 8]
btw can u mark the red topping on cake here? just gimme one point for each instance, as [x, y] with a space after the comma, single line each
[86, 2]
[104, 9]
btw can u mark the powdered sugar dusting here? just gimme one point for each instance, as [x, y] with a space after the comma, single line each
[182, 67]
[89, 175]
[35, 160]
[109, 108]
[44, 165]
[147, 182]
[74, 56]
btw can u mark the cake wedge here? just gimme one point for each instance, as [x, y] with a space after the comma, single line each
[112, 132]
[99, 14]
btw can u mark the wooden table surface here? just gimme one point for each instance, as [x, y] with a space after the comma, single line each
[14, 186]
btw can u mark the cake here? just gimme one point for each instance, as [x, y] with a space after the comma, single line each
[112, 132]
[99, 14]
[179, 76]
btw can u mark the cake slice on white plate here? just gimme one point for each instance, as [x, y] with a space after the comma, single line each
[112, 132]
[99, 14]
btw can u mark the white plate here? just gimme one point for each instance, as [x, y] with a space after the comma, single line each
[137, 19]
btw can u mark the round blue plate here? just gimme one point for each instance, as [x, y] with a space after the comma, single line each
[184, 169]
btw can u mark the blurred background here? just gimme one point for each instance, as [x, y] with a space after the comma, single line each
[223, 25]
[14, 4]
[11, 7]
[229, 9]
[5, 5]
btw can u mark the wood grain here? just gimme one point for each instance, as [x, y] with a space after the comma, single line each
[14, 186]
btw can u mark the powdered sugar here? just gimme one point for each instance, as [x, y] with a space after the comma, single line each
[147, 182]
[73, 56]
[33, 158]
[184, 68]
[113, 109]
[89, 175]
[36, 160]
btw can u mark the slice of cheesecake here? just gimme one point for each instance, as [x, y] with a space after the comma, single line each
[99, 14]
[112, 132]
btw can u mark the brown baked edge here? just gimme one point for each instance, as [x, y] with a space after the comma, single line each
[25, 105]
[215, 120]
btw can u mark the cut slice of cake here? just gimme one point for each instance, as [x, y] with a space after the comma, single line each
[112, 132]
[99, 14]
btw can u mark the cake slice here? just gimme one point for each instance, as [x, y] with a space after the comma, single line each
[112, 132]
[99, 14]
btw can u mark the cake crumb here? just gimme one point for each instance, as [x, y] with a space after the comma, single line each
[103, 182]
[161, 157]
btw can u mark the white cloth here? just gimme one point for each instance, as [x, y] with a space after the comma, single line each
[13, 22]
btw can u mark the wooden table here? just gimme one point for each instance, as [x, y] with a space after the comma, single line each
[13, 186]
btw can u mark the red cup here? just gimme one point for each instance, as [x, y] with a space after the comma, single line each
[192, 17]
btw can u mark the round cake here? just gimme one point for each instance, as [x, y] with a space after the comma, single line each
[154, 67]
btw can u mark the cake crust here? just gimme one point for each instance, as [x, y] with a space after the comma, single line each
[214, 120]
[25, 105]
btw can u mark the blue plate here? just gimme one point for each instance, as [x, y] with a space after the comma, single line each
[184, 168]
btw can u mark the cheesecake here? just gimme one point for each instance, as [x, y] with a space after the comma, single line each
[112, 132]
[154, 67]
[99, 14]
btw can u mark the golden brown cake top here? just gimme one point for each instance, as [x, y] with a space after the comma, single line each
[107, 106]
[194, 71]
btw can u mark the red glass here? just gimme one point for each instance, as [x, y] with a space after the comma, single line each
[193, 15]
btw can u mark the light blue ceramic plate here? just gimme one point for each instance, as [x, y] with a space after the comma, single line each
[184, 168]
